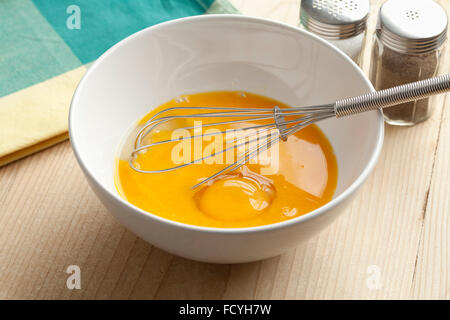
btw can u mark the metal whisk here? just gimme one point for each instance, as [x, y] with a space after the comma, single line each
[283, 121]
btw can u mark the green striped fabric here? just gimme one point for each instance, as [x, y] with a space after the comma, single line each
[40, 39]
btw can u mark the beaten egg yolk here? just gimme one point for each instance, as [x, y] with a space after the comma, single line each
[236, 197]
[304, 178]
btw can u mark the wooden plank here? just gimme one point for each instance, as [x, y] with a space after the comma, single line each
[432, 271]
[431, 277]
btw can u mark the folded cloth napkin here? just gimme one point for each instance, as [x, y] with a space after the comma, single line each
[45, 48]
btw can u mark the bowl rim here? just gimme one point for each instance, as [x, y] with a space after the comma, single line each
[244, 230]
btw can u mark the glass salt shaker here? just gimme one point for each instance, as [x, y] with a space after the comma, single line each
[341, 22]
[408, 46]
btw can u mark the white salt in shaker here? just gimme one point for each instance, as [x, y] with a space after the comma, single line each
[341, 22]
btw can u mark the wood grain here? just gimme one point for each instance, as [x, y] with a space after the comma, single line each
[397, 225]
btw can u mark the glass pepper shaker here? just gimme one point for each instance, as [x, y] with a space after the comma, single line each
[343, 23]
[408, 45]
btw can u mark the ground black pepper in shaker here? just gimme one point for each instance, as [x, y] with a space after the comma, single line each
[408, 45]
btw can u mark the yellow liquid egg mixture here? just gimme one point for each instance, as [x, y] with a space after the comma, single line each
[301, 176]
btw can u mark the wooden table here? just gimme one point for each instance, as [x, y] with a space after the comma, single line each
[393, 241]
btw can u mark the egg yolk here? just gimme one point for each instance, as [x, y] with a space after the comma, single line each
[236, 197]
[303, 179]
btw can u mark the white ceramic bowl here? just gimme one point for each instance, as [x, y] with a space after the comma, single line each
[219, 52]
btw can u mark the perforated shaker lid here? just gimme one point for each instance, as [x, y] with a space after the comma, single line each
[335, 19]
[412, 26]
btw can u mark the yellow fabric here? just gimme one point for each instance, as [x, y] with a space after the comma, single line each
[36, 117]
[32, 149]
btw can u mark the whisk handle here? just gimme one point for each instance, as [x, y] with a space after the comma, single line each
[392, 96]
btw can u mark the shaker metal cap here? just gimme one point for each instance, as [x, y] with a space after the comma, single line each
[412, 26]
[335, 19]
